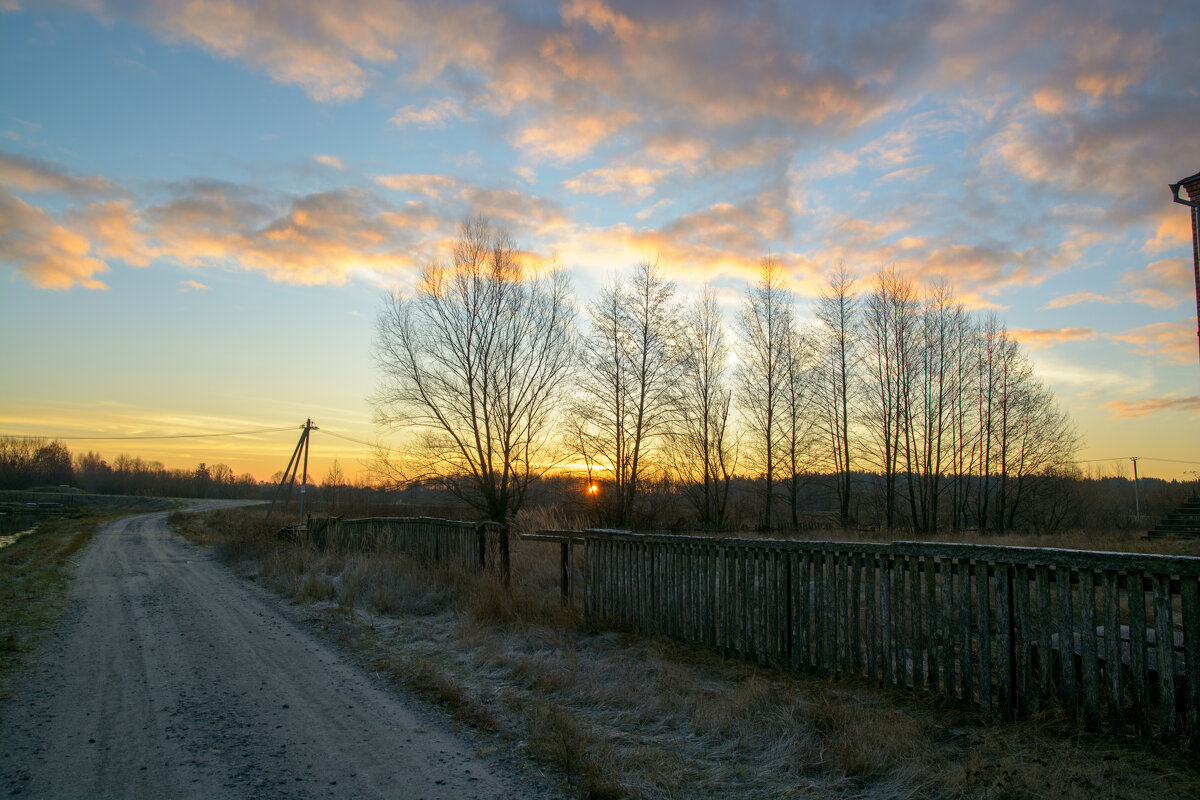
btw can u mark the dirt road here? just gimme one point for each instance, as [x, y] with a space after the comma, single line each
[170, 678]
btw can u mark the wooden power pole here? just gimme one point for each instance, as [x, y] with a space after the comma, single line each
[299, 455]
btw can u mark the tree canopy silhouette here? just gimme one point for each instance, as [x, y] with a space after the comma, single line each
[473, 359]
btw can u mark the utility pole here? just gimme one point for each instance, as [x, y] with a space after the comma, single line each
[1137, 505]
[308, 426]
[289, 472]
[1192, 186]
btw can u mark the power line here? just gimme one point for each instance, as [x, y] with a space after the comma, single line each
[349, 438]
[1140, 458]
[138, 438]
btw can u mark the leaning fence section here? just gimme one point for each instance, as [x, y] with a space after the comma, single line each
[1113, 638]
[466, 545]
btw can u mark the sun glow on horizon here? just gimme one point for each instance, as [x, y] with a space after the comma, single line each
[199, 236]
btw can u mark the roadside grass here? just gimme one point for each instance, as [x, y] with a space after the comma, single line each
[34, 580]
[614, 714]
[1118, 541]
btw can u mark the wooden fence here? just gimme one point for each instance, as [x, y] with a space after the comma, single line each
[1114, 638]
[467, 545]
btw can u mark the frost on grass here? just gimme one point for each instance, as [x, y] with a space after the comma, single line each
[622, 715]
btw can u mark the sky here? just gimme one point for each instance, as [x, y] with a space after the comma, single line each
[203, 204]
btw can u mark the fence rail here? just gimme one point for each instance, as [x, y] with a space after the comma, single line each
[1112, 637]
[467, 545]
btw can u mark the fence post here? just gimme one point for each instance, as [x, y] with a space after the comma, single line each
[565, 570]
[505, 570]
[481, 545]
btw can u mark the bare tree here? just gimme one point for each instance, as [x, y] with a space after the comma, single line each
[991, 344]
[475, 358]
[705, 449]
[1034, 435]
[626, 403]
[889, 322]
[928, 414]
[765, 325]
[964, 439]
[333, 484]
[837, 378]
[800, 417]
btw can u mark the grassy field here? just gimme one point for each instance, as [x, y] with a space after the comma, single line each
[620, 715]
[34, 579]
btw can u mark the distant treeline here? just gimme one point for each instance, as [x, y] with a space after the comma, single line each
[27, 463]
[32, 463]
[1054, 503]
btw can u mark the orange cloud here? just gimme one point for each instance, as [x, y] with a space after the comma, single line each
[114, 228]
[47, 254]
[604, 251]
[1050, 101]
[748, 228]
[1174, 230]
[309, 52]
[628, 180]
[427, 185]
[32, 175]
[1167, 342]
[1161, 284]
[600, 17]
[330, 161]
[67, 249]
[520, 213]
[908, 174]
[676, 149]
[434, 115]
[1154, 405]
[1075, 298]
[324, 238]
[1048, 337]
[568, 137]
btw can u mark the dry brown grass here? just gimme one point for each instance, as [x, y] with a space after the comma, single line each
[623, 715]
[1111, 540]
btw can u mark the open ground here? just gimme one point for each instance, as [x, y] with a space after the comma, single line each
[615, 714]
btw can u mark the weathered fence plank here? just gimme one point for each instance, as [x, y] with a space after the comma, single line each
[1114, 693]
[1189, 591]
[965, 673]
[1164, 634]
[1089, 663]
[1066, 641]
[1000, 628]
[441, 541]
[887, 650]
[1004, 639]
[1139, 674]
[983, 622]
[1022, 655]
[1045, 640]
